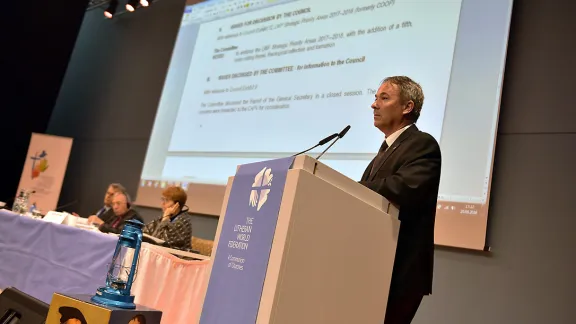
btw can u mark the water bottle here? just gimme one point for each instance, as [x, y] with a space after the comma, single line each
[33, 208]
[17, 206]
[25, 202]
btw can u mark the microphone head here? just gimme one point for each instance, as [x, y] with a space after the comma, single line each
[328, 139]
[344, 131]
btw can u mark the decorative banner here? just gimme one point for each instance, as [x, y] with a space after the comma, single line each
[239, 268]
[44, 169]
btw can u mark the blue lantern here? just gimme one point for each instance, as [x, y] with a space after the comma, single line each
[122, 269]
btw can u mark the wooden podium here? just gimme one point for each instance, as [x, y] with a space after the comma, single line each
[332, 253]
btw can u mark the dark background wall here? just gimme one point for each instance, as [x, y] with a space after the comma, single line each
[112, 87]
[108, 103]
[37, 39]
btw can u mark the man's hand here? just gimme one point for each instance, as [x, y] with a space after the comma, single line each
[95, 220]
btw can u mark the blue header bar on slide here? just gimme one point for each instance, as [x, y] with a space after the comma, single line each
[218, 9]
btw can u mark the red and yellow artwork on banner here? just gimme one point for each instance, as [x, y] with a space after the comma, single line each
[44, 169]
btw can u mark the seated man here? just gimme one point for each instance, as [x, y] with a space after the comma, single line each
[106, 212]
[175, 225]
[121, 206]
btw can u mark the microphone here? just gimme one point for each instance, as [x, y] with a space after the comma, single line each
[322, 142]
[65, 205]
[339, 136]
[344, 131]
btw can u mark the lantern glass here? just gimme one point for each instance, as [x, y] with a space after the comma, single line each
[121, 267]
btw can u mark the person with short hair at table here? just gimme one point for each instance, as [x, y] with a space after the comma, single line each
[174, 227]
[106, 212]
[122, 207]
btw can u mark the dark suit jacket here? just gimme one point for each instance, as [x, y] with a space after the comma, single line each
[106, 214]
[408, 177]
[108, 226]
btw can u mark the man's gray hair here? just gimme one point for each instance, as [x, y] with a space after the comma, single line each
[117, 187]
[409, 90]
[125, 194]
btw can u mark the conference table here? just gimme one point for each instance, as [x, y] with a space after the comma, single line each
[41, 258]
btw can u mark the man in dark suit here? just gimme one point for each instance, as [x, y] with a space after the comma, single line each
[406, 171]
[106, 212]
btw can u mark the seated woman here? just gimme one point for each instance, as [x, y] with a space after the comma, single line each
[175, 225]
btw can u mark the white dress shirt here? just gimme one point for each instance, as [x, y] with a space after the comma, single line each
[394, 136]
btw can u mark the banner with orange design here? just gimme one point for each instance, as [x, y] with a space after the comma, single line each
[44, 169]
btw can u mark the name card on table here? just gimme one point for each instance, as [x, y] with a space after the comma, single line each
[55, 217]
[241, 260]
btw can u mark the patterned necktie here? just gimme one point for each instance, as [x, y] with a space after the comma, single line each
[379, 158]
[117, 221]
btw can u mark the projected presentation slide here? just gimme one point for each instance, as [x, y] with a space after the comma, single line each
[256, 80]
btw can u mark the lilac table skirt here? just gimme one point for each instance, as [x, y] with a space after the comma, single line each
[41, 258]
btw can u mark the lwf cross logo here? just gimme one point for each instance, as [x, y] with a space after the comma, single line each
[259, 193]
